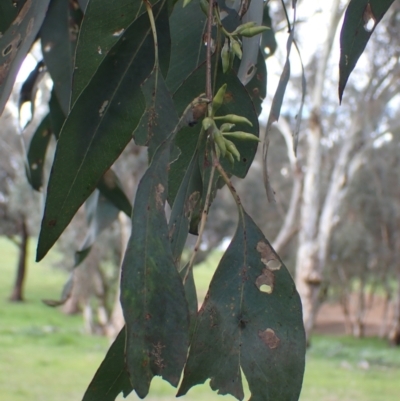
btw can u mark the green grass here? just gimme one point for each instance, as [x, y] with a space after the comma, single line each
[45, 356]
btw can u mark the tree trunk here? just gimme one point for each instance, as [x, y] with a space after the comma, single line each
[309, 265]
[18, 290]
[394, 332]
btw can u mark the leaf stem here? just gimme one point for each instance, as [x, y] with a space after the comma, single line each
[154, 31]
[203, 220]
[209, 93]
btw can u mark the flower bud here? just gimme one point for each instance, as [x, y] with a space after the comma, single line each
[218, 98]
[242, 136]
[250, 32]
[237, 49]
[234, 119]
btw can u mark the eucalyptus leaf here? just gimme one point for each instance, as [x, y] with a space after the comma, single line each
[360, 21]
[243, 324]
[101, 123]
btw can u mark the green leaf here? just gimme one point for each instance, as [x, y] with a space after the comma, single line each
[191, 297]
[100, 214]
[152, 293]
[111, 378]
[257, 86]
[155, 124]
[100, 124]
[57, 116]
[268, 41]
[356, 32]
[9, 10]
[184, 205]
[187, 49]
[37, 153]
[16, 42]
[58, 40]
[251, 321]
[111, 188]
[102, 27]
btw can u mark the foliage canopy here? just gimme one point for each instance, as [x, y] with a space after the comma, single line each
[187, 82]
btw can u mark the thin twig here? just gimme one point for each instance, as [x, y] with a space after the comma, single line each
[209, 93]
[203, 220]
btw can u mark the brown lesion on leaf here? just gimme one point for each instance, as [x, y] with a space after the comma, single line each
[268, 256]
[191, 203]
[159, 191]
[156, 353]
[269, 338]
[22, 14]
[9, 51]
[266, 281]
[152, 118]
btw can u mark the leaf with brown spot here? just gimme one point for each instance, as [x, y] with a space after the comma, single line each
[355, 35]
[241, 328]
[152, 294]
[269, 338]
[16, 42]
[265, 282]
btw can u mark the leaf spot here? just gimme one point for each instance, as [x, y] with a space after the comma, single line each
[103, 108]
[268, 256]
[369, 18]
[159, 200]
[265, 282]
[34, 166]
[119, 32]
[190, 203]
[269, 338]
[99, 50]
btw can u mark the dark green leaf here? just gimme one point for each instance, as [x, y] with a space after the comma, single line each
[58, 37]
[100, 214]
[111, 188]
[356, 32]
[191, 297]
[57, 116]
[83, 4]
[100, 124]
[185, 203]
[268, 41]
[103, 25]
[37, 153]
[257, 86]
[251, 320]
[187, 49]
[16, 42]
[9, 10]
[111, 378]
[155, 124]
[152, 293]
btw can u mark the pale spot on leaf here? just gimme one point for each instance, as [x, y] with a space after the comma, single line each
[103, 108]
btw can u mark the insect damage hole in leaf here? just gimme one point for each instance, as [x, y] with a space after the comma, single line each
[266, 281]
[369, 18]
[268, 257]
